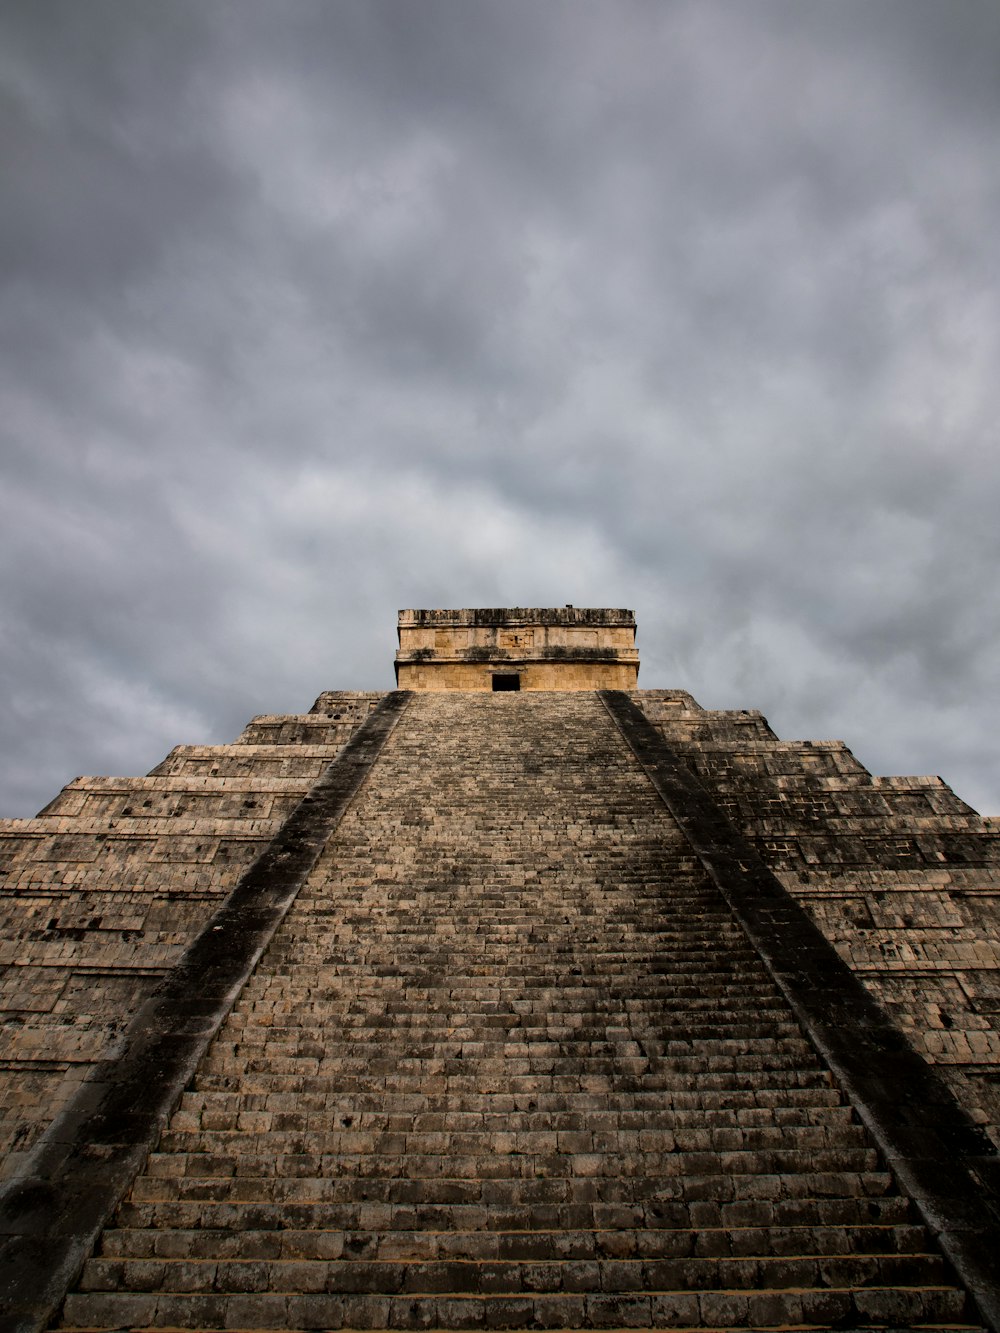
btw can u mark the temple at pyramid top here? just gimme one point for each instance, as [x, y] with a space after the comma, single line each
[517, 648]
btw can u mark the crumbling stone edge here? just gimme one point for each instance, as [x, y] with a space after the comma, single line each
[944, 1162]
[53, 1211]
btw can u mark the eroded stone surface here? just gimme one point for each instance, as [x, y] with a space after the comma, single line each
[522, 648]
[107, 886]
[901, 875]
[510, 1061]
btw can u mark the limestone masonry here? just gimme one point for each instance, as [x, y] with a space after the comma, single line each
[569, 648]
[514, 998]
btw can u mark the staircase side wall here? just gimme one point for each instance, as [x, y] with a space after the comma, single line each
[900, 874]
[103, 890]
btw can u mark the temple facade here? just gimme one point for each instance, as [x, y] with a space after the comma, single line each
[518, 648]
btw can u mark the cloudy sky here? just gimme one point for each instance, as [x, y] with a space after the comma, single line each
[315, 309]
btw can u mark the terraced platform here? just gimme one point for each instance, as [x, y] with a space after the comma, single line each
[510, 1062]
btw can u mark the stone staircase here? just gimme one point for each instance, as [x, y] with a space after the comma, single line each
[101, 892]
[902, 877]
[510, 1063]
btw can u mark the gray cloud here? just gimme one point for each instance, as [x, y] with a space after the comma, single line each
[313, 311]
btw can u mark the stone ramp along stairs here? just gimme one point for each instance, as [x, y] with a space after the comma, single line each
[509, 1062]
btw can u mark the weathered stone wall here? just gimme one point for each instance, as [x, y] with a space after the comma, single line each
[901, 875]
[568, 648]
[103, 890]
[562, 675]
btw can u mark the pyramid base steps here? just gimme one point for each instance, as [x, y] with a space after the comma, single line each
[511, 1277]
[749, 1243]
[567, 1328]
[861, 1308]
[373, 1216]
[509, 1063]
[678, 1328]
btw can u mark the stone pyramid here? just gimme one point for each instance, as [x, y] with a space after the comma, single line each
[517, 997]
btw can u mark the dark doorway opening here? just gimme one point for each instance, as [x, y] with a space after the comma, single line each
[508, 681]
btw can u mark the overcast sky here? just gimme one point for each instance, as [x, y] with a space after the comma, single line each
[315, 310]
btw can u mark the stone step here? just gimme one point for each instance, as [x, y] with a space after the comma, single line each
[656, 1058]
[812, 1093]
[483, 980]
[484, 989]
[237, 1114]
[366, 1033]
[679, 1003]
[371, 1214]
[521, 1192]
[688, 1133]
[243, 1140]
[552, 1161]
[504, 1040]
[660, 1004]
[654, 1079]
[844, 1308]
[746, 1242]
[510, 1277]
[634, 1003]
[573, 994]
[580, 984]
